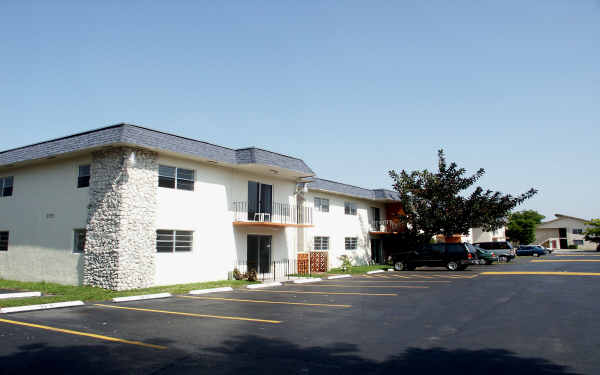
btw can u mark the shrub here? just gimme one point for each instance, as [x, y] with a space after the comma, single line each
[345, 262]
[252, 275]
[237, 274]
[572, 246]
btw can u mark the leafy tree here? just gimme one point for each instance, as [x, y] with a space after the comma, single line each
[433, 204]
[592, 233]
[521, 226]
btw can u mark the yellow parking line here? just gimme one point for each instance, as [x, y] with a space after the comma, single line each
[543, 273]
[272, 302]
[191, 314]
[576, 255]
[332, 293]
[397, 281]
[564, 260]
[86, 334]
[365, 286]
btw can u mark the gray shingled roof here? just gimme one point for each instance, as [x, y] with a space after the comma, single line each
[148, 138]
[353, 191]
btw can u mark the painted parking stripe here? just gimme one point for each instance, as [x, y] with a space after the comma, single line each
[575, 255]
[270, 302]
[563, 260]
[194, 315]
[398, 281]
[368, 286]
[332, 293]
[543, 273]
[86, 334]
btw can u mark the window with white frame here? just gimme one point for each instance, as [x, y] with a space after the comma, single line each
[350, 243]
[577, 231]
[4, 241]
[6, 186]
[83, 179]
[322, 204]
[79, 240]
[321, 243]
[175, 178]
[350, 208]
[169, 241]
[578, 242]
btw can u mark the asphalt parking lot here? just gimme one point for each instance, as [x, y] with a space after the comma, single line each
[425, 321]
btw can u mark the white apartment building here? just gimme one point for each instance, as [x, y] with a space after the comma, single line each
[562, 232]
[480, 235]
[126, 207]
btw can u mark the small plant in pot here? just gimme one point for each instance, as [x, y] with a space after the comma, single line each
[237, 274]
[346, 264]
[252, 275]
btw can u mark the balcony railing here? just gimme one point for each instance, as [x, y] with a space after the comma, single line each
[385, 226]
[277, 214]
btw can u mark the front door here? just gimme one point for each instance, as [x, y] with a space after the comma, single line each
[260, 201]
[259, 253]
[376, 250]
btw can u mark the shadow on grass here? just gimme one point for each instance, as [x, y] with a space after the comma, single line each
[257, 355]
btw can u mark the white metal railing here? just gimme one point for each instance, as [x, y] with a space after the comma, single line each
[280, 213]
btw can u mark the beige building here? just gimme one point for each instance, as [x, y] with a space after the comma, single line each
[563, 232]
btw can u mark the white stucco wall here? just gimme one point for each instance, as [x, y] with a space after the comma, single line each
[208, 211]
[41, 245]
[336, 225]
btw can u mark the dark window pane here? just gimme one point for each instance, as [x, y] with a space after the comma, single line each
[84, 170]
[7, 191]
[455, 248]
[164, 249]
[83, 181]
[8, 181]
[166, 182]
[3, 241]
[185, 185]
[185, 174]
[166, 171]
[79, 245]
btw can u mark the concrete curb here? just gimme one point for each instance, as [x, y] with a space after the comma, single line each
[376, 271]
[390, 270]
[305, 281]
[142, 297]
[20, 295]
[46, 306]
[259, 286]
[338, 277]
[212, 290]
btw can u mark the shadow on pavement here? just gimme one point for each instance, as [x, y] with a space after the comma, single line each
[257, 355]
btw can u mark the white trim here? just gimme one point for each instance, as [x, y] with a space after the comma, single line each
[338, 277]
[142, 297]
[6, 310]
[309, 280]
[259, 286]
[212, 290]
[20, 295]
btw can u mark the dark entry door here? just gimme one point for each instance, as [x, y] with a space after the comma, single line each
[376, 250]
[260, 200]
[259, 253]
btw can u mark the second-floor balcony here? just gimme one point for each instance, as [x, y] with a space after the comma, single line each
[271, 215]
[385, 226]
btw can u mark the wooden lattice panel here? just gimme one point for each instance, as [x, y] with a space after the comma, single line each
[302, 263]
[318, 261]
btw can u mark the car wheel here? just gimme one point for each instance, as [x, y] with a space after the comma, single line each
[535, 254]
[452, 266]
[400, 266]
[502, 258]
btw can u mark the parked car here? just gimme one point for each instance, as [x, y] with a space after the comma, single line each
[486, 256]
[502, 249]
[454, 256]
[533, 250]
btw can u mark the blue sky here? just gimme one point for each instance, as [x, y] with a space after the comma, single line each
[354, 88]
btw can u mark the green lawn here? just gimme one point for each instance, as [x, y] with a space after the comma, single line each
[360, 269]
[52, 292]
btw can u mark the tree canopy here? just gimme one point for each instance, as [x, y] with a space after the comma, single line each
[592, 232]
[521, 226]
[436, 203]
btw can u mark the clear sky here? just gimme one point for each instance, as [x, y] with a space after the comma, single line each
[354, 88]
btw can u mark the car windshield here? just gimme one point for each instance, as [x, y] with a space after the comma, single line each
[471, 248]
[495, 245]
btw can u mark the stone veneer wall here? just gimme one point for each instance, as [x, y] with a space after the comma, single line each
[120, 242]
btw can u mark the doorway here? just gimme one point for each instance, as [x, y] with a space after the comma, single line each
[259, 253]
[377, 250]
[260, 201]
